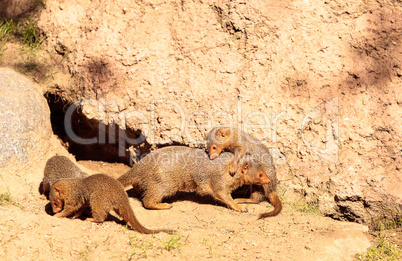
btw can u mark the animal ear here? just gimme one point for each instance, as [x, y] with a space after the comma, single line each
[56, 203]
[245, 167]
[57, 191]
[223, 133]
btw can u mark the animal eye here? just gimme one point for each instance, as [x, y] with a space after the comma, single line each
[260, 175]
[214, 147]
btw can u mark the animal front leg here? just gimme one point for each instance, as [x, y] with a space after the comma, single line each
[67, 211]
[239, 153]
[228, 200]
[79, 212]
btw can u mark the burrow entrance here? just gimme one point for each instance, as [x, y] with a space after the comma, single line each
[93, 139]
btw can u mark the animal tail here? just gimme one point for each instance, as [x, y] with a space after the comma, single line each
[276, 202]
[129, 216]
[129, 178]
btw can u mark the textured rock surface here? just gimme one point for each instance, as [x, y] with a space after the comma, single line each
[322, 78]
[25, 128]
[25, 133]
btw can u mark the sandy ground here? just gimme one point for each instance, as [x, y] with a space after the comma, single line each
[205, 229]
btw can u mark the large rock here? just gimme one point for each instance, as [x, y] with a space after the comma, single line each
[25, 129]
[319, 80]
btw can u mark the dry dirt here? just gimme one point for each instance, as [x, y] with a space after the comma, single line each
[205, 229]
[274, 55]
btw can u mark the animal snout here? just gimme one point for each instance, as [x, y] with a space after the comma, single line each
[213, 155]
[263, 178]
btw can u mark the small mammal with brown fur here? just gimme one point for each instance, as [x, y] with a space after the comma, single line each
[59, 167]
[164, 172]
[241, 143]
[99, 192]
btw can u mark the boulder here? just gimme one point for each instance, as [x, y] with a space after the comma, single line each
[25, 129]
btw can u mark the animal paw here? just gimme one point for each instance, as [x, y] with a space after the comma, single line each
[159, 206]
[240, 209]
[232, 170]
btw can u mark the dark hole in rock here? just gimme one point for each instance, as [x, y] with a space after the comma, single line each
[107, 142]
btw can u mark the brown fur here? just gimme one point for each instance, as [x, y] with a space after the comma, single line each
[59, 167]
[165, 171]
[99, 192]
[242, 143]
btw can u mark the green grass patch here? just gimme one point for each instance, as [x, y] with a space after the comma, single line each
[173, 243]
[142, 248]
[8, 27]
[389, 223]
[310, 206]
[25, 31]
[384, 250]
[88, 248]
[3, 46]
[30, 34]
[7, 199]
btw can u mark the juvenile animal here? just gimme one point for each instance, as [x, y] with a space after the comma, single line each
[98, 192]
[241, 144]
[59, 167]
[165, 171]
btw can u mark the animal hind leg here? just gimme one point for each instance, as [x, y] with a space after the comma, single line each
[154, 202]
